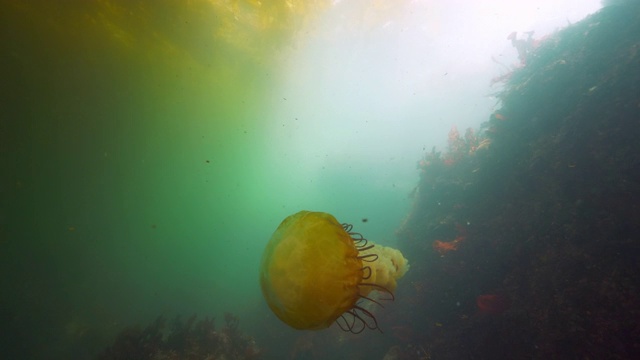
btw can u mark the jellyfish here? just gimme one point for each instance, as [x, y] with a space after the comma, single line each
[315, 271]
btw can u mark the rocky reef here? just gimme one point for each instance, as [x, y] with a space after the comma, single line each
[183, 340]
[524, 233]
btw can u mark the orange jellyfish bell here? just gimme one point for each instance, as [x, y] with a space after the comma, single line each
[314, 271]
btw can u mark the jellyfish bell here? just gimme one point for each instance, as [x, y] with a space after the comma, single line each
[315, 271]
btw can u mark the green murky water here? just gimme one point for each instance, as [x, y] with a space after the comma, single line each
[147, 161]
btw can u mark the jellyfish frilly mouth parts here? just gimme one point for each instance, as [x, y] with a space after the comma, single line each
[315, 271]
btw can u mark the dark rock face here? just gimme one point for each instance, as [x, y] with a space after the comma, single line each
[541, 207]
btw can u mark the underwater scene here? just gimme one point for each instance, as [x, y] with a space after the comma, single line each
[319, 179]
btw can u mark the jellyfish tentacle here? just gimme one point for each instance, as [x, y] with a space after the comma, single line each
[360, 319]
[368, 268]
[368, 257]
[372, 300]
[356, 319]
[356, 310]
[381, 288]
[357, 236]
[360, 243]
[365, 248]
[346, 327]
[347, 227]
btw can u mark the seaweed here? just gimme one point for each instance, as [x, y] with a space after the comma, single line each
[190, 339]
